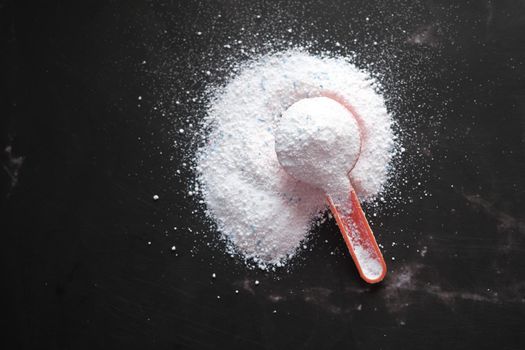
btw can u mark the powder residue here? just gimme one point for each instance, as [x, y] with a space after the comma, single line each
[369, 264]
[263, 212]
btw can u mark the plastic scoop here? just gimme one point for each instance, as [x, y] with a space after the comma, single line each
[318, 141]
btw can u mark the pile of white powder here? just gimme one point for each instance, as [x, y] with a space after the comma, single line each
[261, 211]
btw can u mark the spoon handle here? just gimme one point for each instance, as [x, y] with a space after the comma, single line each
[359, 238]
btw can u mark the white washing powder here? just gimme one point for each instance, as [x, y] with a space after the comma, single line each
[259, 209]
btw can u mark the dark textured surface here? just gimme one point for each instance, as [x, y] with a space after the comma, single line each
[86, 253]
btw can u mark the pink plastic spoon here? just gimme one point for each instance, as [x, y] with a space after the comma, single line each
[304, 143]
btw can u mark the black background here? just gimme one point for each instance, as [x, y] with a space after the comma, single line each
[86, 252]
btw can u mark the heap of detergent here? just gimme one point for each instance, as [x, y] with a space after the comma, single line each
[261, 211]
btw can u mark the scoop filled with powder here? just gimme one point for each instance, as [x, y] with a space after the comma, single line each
[318, 141]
